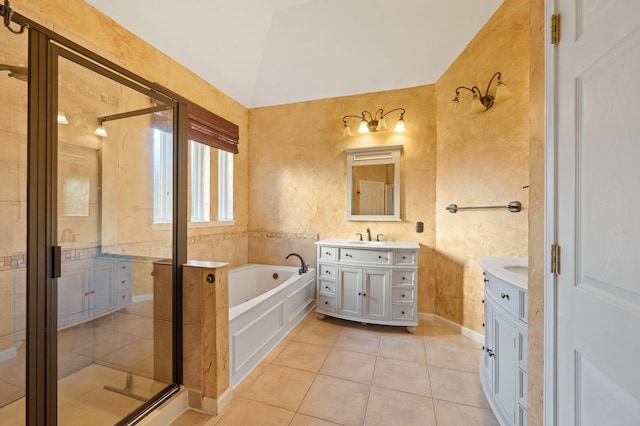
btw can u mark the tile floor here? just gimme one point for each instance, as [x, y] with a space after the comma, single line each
[340, 372]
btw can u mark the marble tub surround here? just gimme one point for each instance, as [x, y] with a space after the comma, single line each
[206, 335]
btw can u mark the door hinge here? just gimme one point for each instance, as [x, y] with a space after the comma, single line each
[555, 259]
[555, 29]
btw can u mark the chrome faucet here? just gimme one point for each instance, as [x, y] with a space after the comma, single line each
[369, 234]
[305, 267]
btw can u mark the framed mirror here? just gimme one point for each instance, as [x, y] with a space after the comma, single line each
[373, 183]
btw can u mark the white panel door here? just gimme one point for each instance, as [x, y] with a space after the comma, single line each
[372, 201]
[598, 207]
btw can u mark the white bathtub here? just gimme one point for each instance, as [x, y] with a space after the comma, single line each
[265, 303]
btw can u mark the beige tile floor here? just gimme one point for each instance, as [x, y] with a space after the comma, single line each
[340, 372]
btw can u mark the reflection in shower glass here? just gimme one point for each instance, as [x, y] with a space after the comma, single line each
[13, 225]
[114, 295]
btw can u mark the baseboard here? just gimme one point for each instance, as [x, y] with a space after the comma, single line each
[8, 354]
[475, 336]
[142, 298]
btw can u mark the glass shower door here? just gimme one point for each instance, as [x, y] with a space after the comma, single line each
[13, 226]
[115, 229]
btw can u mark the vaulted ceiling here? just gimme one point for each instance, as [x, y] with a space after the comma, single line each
[272, 52]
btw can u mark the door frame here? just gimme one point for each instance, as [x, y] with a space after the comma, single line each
[550, 398]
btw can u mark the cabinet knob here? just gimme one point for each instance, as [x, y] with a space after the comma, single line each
[483, 324]
[403, 278]
[326, 303]
[211, 278]
[359, 294]
[486, 280]
[348, 255]
[482, 300]
[402, 312]
[490, 352]
[402, 294]
[404, 257]
[504, 296]
[327, 287]
[364, 294]
[327, 253]
[327, 272]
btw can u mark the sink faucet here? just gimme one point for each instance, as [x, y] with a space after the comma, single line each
[305, 267]
[369, 234]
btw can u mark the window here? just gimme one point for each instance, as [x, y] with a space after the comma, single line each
[200, 182]
[211, 170]
[162, 176]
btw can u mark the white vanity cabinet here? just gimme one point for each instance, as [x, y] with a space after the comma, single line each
[503, 367]
[371, 282]
[90, 288]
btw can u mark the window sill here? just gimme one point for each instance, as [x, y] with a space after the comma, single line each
[210, 224]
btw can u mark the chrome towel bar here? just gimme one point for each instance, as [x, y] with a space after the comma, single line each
[513, 207]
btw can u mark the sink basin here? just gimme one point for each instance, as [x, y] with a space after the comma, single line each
[368, 243]
[522, 270]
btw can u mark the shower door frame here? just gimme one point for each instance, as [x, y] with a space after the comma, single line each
[43, 253]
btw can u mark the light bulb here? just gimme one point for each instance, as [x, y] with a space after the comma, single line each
[502, 93]
[62, 118]
[476, 105]
[346, 131]
[100, 131]
[399, 125]
[454, 105]
[364, 126]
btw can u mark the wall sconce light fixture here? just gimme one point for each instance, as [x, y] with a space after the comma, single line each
[482, 102]
[100, 130]
[374, 123]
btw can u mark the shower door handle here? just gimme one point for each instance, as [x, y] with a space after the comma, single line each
[56, 262]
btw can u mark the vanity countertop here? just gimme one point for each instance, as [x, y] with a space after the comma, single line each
[337, 242]
[513, 270]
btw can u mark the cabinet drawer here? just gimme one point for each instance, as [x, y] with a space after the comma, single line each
[327, 253]
[523, 309]
[327, 286]
[522, 350]
[402, 312]
[522, 387]
[327, 271]
[505, 295]
[404, 258]
[326, 303]
[404, 277]
[122, 282]
[365, 256]
[403, 294]
[123, 298]
[123, 268]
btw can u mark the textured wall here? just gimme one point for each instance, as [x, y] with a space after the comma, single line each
[88, 27]
[535, 368]
[297, 176]
[483, 160]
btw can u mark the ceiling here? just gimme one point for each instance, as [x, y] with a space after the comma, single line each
[272, 52]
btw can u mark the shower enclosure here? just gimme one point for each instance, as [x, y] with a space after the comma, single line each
[88, 202]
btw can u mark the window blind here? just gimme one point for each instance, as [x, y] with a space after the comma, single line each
[210, 129]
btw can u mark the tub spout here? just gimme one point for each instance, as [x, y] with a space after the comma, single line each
[305, 268]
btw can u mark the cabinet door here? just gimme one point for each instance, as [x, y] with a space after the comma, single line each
[73, 296]
[504, 385]
[377, 284]
[350, 292]
[489, 348]
[102, 288]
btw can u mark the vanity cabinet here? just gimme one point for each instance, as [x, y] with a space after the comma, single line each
[503, 366]
[370, 282]
[91, 288]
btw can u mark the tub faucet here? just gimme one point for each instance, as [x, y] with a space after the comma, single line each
[369, 234]
[305, 267]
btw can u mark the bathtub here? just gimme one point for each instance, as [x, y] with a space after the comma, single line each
[265, 303]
